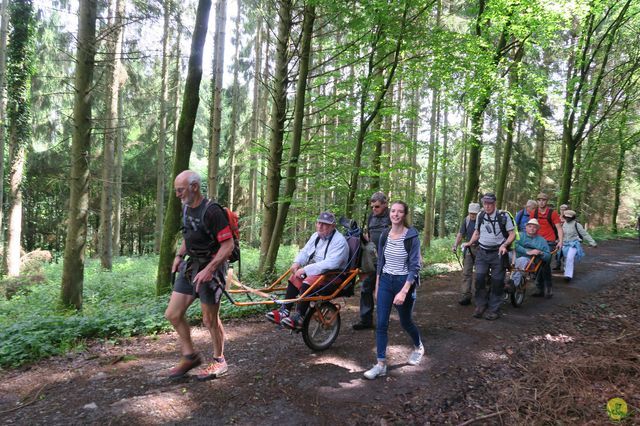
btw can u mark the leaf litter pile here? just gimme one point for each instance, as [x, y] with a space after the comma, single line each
[562, 371]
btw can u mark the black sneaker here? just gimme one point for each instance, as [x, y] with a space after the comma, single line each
[362, 326]
[567, 279]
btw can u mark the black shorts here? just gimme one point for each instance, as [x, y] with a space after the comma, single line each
[210, 293]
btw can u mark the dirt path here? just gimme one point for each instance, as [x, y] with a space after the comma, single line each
[274, 378]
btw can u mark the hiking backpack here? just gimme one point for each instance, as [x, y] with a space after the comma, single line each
[232, 218]
[501, 217]
[549, 219]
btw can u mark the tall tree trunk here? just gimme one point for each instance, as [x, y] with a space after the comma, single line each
[20, 59]
[234, 169]
[539, 129]
[414, 124]
[184, 143]
[4, 23]
[429, 208]
[380, 93]
[176, 79]
[583, 97]
[73, 268]
[512, 114]
[114, 48]
[162, 128]
[255, 123]
[216, 98]
[117, 180]
[296, 139]
[278, 118]
[442, 231]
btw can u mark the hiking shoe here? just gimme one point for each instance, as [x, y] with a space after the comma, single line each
[465, 300]
[548, 293]
[294, 322]
[567, 279]
[416, 355]
[362, 326]
[376, 371]
[186, 363]
[214, 370]
[491, 316]
[277, 315]
[479, 311]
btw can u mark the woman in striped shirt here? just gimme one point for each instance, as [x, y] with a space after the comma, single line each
[396, 282]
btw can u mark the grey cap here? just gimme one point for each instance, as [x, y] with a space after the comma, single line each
[474, 208]
[327, 217]
[489, 197]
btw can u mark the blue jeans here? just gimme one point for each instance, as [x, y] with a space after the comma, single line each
[389, 286]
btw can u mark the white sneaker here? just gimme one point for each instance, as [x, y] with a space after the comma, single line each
[416, 355]
[377, 370]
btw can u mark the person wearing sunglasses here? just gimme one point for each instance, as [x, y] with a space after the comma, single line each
[377, 223]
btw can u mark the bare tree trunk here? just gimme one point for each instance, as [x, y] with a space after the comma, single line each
[20, 59]
[4, 22]
[117, 181]
[216, 98]
[380, 93]
[442, 230]
[278, 119]
[234, 169]
[73, 268]
[162, 128]
[296, 139]
[429, 208]
[176, 79]
[184, 144]
[110, 132]
[255, 123]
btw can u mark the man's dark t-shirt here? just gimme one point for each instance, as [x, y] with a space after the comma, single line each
[199, 243]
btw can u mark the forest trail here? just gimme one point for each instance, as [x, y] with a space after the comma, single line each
[274, 378]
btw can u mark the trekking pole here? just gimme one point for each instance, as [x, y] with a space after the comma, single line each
[458, 257]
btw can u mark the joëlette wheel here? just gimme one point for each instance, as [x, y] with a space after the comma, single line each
[321, 326]
[517, 297]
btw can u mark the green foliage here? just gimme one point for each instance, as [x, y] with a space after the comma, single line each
[120, 303]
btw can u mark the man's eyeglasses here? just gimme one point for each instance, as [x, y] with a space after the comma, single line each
[376, 206]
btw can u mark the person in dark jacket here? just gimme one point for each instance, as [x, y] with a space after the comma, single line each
[396, 282]
[377, 222]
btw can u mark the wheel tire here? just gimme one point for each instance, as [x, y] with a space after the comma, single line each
[317, 335]
[517, 297]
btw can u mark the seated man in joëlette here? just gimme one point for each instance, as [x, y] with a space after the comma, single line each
[327, 250]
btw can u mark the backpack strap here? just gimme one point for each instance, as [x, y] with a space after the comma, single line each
[326, 249]
[577, 231]
[549, 219]
[501, 217]
[203, 214]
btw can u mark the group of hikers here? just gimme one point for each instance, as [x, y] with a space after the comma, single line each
[489, 235]
[486, 237]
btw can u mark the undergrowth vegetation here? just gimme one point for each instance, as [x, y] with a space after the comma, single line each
[122, 302]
